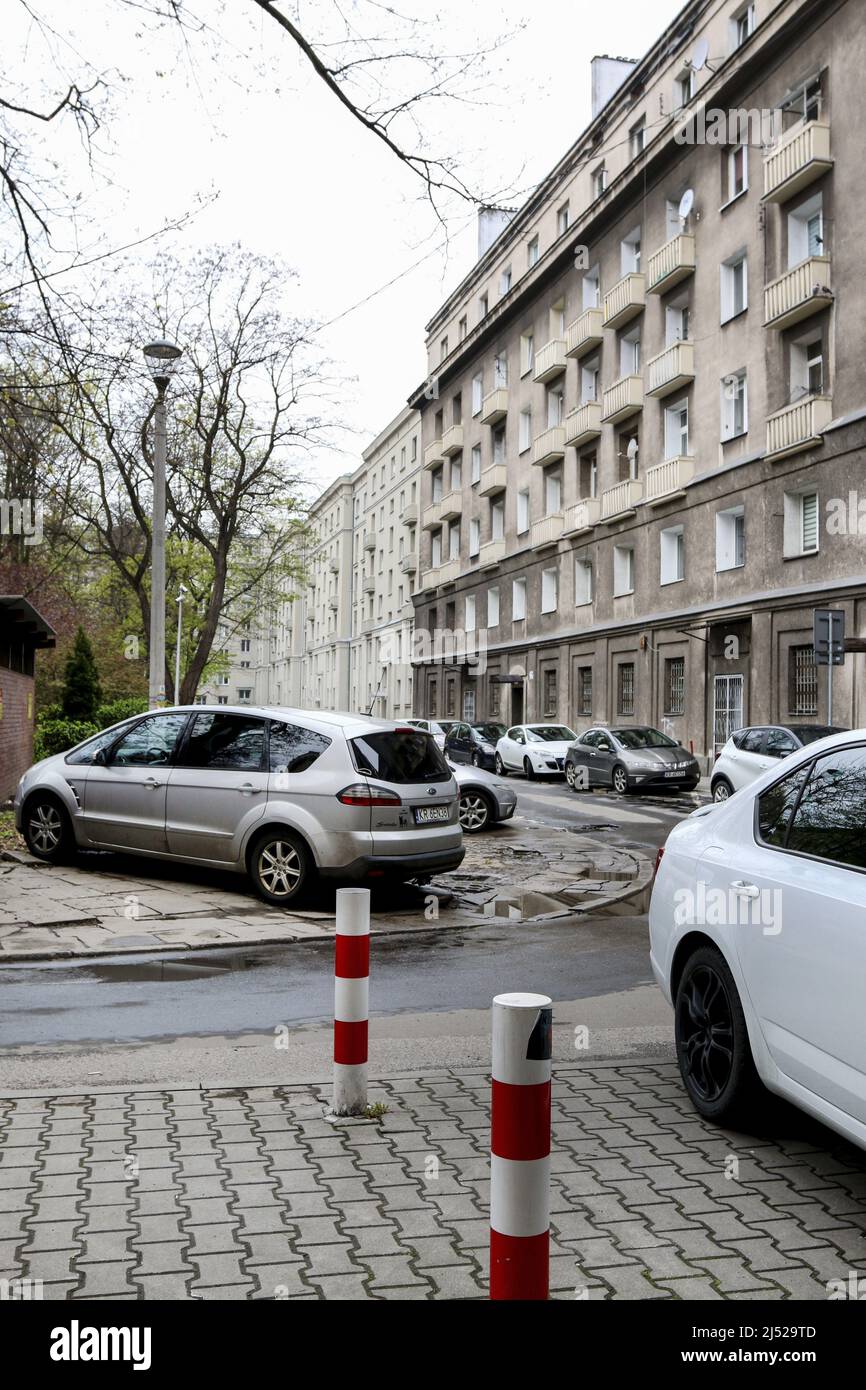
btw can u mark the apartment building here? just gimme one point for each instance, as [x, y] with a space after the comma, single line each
[643, 423]
[322, 637]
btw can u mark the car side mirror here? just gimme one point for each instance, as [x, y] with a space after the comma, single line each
[99, 758]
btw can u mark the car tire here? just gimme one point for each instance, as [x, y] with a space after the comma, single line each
[721, 789]
[499, 766]
[571, 775]
[47, 828]
[279, 866]
[712, 1042]
[529, 770]
[475, 812]
[619, 780]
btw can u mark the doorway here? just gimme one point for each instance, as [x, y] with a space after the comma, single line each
[517, 704]
[727, 709]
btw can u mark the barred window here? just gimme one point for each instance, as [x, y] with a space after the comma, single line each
[625, 688]
[584, 690]
[550, 692]
[675, 685]
[433, 699]
[802, 681]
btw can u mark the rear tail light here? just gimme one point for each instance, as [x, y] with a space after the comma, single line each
[659, 857]
[360, 794]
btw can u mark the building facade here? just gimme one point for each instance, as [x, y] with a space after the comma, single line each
[645, 412]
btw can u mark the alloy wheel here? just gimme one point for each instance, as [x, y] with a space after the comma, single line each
[280, 867]
[501, 770]
[705, 1033]
[46, 827]
[474, 812]
[721, 792]
[569, 774]
[620, 781]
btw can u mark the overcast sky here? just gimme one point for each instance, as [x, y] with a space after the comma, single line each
[293, 174]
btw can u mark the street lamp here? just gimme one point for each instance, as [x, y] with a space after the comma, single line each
[161, 358]
[181, 595]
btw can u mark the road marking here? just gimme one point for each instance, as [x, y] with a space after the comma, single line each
[600, 810]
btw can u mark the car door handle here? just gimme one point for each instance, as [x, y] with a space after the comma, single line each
[247, 789]
[152, 783]
[746, 890]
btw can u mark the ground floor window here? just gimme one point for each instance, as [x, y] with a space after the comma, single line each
[469, 706]
[433, 707]
[802, 681]
[550, 693]
[451, 700]
[584, 690]
[625, 688]
[675, 685]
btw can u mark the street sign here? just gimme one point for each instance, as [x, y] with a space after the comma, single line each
[829, 636]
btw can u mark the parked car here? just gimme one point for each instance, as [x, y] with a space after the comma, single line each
[750, 751]
[434, 727]
[483, 800]
[756, 938]
[537, 750]
[629, 758]
[473, 743]
[278, 794]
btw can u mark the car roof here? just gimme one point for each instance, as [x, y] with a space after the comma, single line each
[351, 724]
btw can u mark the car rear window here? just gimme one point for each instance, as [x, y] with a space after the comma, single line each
[808, 733]
[395, 756]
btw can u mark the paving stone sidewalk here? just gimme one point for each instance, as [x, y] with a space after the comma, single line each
[254, 1194]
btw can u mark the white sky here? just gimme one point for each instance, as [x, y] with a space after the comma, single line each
[298, 178]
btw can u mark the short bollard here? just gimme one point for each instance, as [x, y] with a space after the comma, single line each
[520, 1147]
[351, 1001]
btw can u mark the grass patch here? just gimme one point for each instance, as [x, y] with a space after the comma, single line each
[376, 1110]
[9, 837]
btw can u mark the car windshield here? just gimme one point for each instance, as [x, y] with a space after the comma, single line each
[550, 733]
[399, 755]
[808, 733]
[643, 738]
[490, 732]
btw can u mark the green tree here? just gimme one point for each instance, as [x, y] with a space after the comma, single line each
[81, 692]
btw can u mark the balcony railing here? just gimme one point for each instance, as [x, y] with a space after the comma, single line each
[584, 334]
[549, 360]
[623, 399]
[547, 531]
[798, 426]
[549, 446]
[625, 301]
[584, 423]
[409, 514]
[672, 263]
[797, 294]
[624, 497]
[666, 479]
[449, 571]
[334, 565]
[433, 454]
[491, 553]
[581, 516]
[409, 563]
[494, 406]
[452, 440]
[369, 540]
[445, 509]
[493, 479]
[671, 369]
[368, 585]
[798, 159]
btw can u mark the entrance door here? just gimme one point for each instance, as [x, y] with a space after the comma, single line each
[727, 709]
[517, 704]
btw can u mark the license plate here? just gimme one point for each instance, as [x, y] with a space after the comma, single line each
[425, 814]
[675, 774]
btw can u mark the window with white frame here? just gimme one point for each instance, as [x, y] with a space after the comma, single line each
[730, 538]
[518, 600]
[456, 473]
[807, 366]
[677, 322]
[524, 433]
[623, 570]
[637, 138]
[684, 87]
[735, 404]
[522, 511]
[677, 430]
[806, 231]
[493, 606]
[497, 518]
[443, 349]
[527, 353]
[477, 393]
[454, 540]
[499, 444]
[742, 24]
[436, 549]
[436, 484]
[483, 305]
[582, 581]
[671, 555]
[500, 369]
[737, 171]
[563, 219]
[552, 490]
[599, 180]
[532, 252]
[469, 613]
[462, 328]
[549, 590]
[556, 319]
[555, 406]
[734, 286]
[591, 288]
[474, 536]
[629, 353]
[589, 379]
[505, 281]
[800, 523]
[475, 463]
[630, 251]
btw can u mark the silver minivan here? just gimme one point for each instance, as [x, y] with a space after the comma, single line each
[279, 794]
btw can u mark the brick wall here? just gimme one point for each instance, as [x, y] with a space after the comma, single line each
[16, 729]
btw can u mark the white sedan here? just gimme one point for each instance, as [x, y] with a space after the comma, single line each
[757, 939]
[749, 752]
[537, 750]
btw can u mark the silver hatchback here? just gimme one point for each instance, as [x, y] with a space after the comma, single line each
[279, 794]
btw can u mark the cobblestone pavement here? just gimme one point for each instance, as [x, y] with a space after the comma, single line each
[252, 1193]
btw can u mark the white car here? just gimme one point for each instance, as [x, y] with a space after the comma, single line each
[430, 726]
[757, 939]
[751, 751]
[536, 750]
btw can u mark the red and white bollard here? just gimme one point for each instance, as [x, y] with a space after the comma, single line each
[351, 1001]
[520, 1147]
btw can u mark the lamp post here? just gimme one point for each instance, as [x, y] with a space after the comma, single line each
[181, 595]
[161, 358]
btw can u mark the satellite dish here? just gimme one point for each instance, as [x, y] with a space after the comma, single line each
[632, 448]
[700, 55]
[687, 202]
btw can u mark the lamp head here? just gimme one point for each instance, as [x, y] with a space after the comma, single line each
[161, 358]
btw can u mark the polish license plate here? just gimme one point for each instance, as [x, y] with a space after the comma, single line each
[675, 774]
[425, 814]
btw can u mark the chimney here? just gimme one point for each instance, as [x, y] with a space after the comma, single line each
[608, 74]
[491, 221]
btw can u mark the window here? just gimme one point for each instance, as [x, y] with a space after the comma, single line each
[737, 167]
[802, 681]
[599, 180]
[549, 590]
[443, 349]
[245, 644]
[807, 368]
[828, 820]
[684, 87]
[477, 393]
[676, 324]
[806, 231]
[493, 607]
[591, 288]
[151, 743]
[800, 524]
[630, 252]
[497, 519]
[500, 369]
[436, 484]
[454, 541]
[742, 25]
[474, 536]
[734, 286]
[401, 757]
[675, 685]
[584, 690]
[677, 430]
[588, 475]
[549, 688]
[436, 549]
[672, 555]
[518, 600]
[532, 252]
[225, 741]
[293, 749]
[625, 688]
[809, 522]
[469, 613]
[730, 539]
[735, 405]
[582, 581]
[527, 353]
[525, 429]
[623, 570]
[505, 281]
[563, 219]
[629, 353]
[555, 406]
[475, 463]
[552, 491]
[776, 808]
[499, 444]
[462, 328]
[637, 138]
[456, 473]
[522, 511]
[483, 306]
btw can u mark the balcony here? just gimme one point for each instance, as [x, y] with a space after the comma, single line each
[494, 406]
[581, 516]
[798, 293]
[798, 426]
[621, 499]
[584, 423]
[623, 399]
[452, 440]
[673, 262]
[491, 553]
[369, 540]
[549, 360]
[493, 479]
[433, 454]
[671, 369]
[450, 571]
[409, 514]
[368, 584]
[800, 158]
[584, 334]
[334, 565]
[625, 301]
[407, 611]
[409, 563]
[444, 509]
[549, 446]
[668, 479]
[547, 531]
